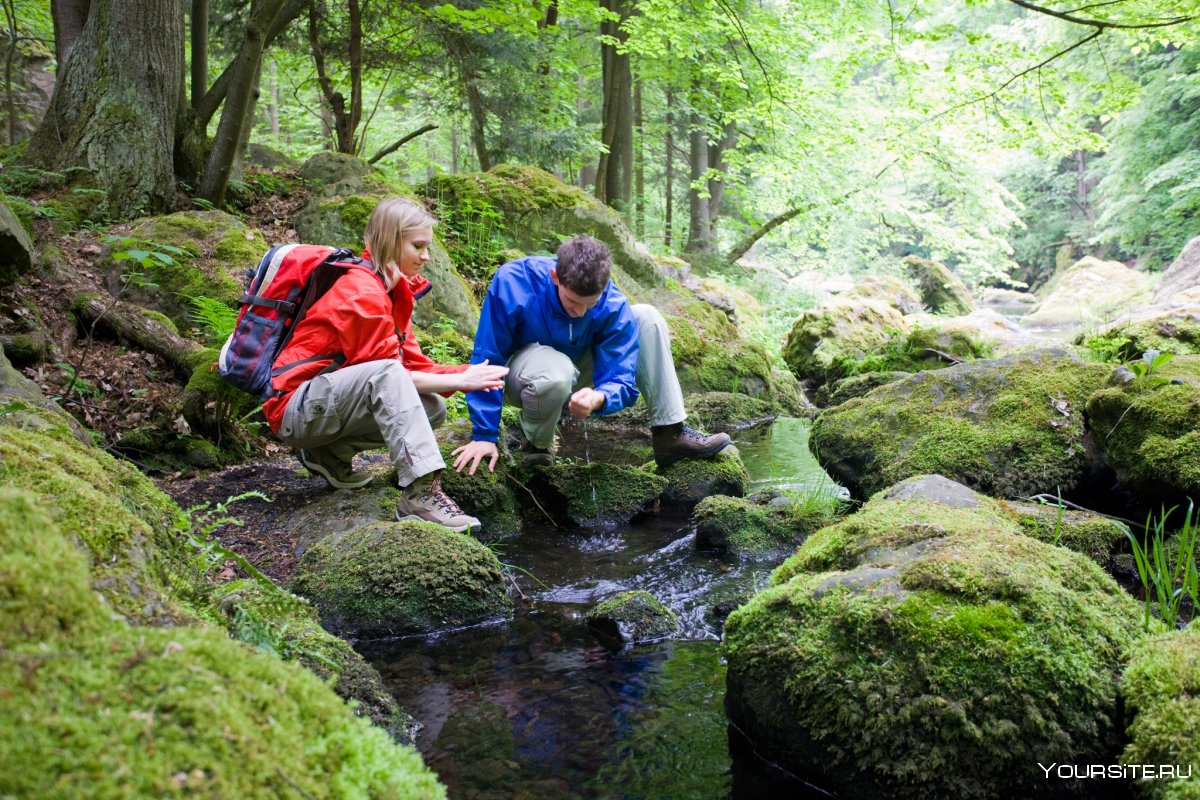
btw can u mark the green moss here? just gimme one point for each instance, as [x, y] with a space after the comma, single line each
[753, 527]
[390, 578]
[1093, 535]
[485, 495]
[941, 290]
[594, 494]
[1162, 698]
[161, 319]
[636, 616]
[1150, 430]
[1176, 332]
[1007, 427]
[356, 211]
[959, 652]
[840, 328]
[213, 407]
[691, 480]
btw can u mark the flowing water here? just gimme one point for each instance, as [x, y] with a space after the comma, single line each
[539, 708]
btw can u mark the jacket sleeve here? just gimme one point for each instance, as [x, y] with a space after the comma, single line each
[365, 328]
[494, 343]
[614, 357]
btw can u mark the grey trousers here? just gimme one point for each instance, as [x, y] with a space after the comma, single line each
[541, 379]
[364, 407]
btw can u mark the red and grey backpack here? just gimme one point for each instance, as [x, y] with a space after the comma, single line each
[289, 279]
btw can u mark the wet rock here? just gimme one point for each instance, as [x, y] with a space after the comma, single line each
[632, 617]
[756, 526]
[597, 495]
[1009, 427]
[942, 291]
[692, 480]
[840, 328]
[936, 621]
[394, 578]
[1149, 428]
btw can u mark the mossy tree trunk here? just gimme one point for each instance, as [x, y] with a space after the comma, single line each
[115, 104]
[700, 239]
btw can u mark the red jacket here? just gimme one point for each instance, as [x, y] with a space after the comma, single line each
[358, 319]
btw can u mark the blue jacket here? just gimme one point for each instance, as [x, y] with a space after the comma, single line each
[522, 307]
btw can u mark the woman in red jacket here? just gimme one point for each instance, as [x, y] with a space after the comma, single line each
[353, 376]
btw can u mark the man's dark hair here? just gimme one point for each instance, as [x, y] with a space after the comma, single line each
[584, 265]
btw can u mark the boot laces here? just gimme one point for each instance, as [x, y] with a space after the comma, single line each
[694, 435]
[441, 499]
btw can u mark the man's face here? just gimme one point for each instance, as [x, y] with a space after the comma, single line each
[576, 305]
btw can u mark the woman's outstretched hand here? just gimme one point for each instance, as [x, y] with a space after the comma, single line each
[482, 376]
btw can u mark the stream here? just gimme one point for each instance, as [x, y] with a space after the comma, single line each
[539, 708]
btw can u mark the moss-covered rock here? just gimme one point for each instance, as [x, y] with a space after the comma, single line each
[709, 353]
[1094, 535]
[923, 346]
[632, 617]
[264, 157]
[392, 578]
[143, 692]
[1009, 427]
[761, 525]
[1149, 428]
[691, 480]
[488, 496]
[16, 246]
[1091, 291]
[598, 495]
[726, 411]
[942, 291]
[329, 172]
[888, 288]
[217, 249]
[840, 328]
[1175, 331]
[843, 389]
[214, 408]
[1161, 687]
[921, 648]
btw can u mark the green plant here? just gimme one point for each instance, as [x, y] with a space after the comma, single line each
[199, 522]
[1168, 573]
[216, 318]
[130, 248]
[1150, 361]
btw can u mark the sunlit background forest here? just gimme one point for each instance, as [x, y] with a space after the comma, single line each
[997, 136]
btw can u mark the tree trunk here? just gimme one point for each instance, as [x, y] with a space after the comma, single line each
[10, 92]
[716, 184]
[699, 227]
[69, 19]
[669, 213]
[267, 18]
[614, 174]
[115, 104]
[478, 111]
[345, 121]
[199, 50]
[639, 162]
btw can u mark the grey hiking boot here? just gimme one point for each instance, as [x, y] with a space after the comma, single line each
[424, 501]
[676, 442]
[337, 474]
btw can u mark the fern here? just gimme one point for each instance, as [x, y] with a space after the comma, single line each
[216, 318]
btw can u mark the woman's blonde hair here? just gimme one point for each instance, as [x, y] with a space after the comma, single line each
[393, 220]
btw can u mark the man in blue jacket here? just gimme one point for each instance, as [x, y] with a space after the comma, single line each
[570, 337]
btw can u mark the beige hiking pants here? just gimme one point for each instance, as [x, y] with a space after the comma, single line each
[364, 407]
[541, 379]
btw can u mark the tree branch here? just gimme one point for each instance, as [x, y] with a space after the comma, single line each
[403, 140]
[1098, 24]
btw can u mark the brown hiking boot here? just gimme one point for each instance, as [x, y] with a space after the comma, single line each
[339, 475]
[676, 442]
[538, 456]
[424, 501]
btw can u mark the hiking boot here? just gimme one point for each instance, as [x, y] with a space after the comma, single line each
[339, 475]
[676, 442]
[538, 456]
[424, 501]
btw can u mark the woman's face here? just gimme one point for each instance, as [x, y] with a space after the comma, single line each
[414, 250]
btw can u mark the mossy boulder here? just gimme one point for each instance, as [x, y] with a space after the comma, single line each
[106, 573]
[214, 408]
[1009, 427]
[840, 328]
[1090, 292]
[597, 495]
[726, 411]
[217, 249]
[888, 288]
[1175, 331]
[1161, 687]
[709, 353]
[757, 526]
[394, 578]
[1094, 535]
[264, 157]
[17, 255]
[942, 291]
[632, 617]
[486, 495]
[921, 648]
[1149, 429]
[843, 389]
[331, 173]
[924, 345]
[691, 480]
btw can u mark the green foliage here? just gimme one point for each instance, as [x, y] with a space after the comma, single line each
[216, 318]
[146, 253]
[1150, 361]
[1168, 569]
